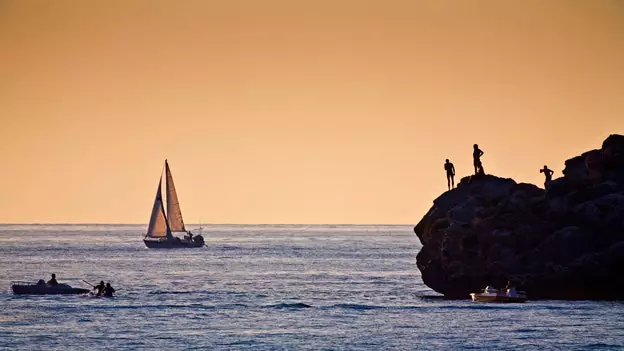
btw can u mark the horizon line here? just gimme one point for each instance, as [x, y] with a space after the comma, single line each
[203, 224]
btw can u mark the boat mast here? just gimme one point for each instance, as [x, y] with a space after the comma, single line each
[162, 206]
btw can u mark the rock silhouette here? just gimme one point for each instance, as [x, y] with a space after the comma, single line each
[566, 242]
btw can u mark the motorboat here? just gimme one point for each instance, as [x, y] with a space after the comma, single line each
[41, 288]
[491, 294]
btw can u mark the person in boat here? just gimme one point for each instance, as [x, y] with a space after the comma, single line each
[100, 288]
[190, 236]
[53, 281]
[108, 290]
[450, 174]
[476, 156]
[548, 173]
[41, 282]
[510, 290]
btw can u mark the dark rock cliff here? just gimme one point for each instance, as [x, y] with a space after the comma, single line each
[563, 243]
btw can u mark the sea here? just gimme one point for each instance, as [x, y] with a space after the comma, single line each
[266, 287]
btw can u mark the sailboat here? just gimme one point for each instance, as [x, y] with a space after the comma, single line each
[163, 225]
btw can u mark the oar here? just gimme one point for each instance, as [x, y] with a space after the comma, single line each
[93, 286]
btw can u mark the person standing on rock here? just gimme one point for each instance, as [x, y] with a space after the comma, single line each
[476, 156]
[450, 174]
[548, 174]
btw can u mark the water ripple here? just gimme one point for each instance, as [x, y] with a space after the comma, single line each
[265, 287]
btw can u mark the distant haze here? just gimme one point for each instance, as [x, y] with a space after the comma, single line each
[293, 111]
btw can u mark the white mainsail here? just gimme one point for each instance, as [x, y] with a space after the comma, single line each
[158, 227]
[174, 214]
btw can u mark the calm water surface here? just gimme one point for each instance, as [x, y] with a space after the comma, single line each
[266, 287]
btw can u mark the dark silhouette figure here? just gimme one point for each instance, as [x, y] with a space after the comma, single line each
[53, 281]
[100, 288]
[548, 174]
[450, 174]
[476, 156]
[108, 290]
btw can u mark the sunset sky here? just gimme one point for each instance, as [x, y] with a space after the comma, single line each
[286, 111]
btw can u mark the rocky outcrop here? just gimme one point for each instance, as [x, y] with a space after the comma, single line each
[563, 243]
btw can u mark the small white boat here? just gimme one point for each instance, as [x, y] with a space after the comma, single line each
[490, 294]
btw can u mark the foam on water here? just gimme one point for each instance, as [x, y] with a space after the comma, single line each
[266, 287]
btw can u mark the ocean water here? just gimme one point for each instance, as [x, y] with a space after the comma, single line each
[266, 287]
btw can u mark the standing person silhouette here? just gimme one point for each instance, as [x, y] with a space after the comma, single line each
[548, 174]
[450, 174]
[476, 156]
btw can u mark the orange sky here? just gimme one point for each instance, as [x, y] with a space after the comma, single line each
[281, 111]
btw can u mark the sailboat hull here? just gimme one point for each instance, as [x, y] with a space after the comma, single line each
[172, 244]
